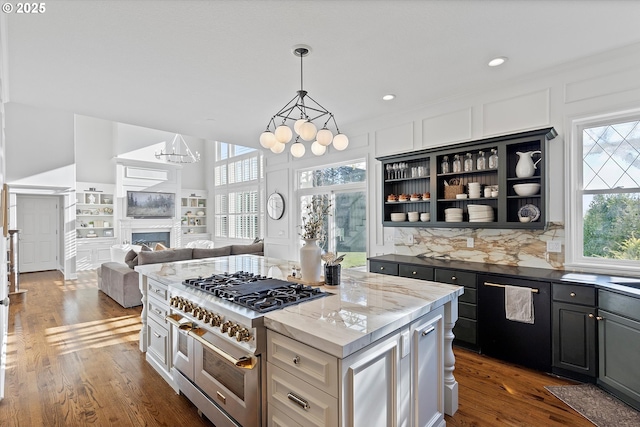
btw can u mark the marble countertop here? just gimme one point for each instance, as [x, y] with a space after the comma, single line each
[362, 309]
[627, 285]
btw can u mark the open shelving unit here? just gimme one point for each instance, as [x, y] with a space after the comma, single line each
[505, 205]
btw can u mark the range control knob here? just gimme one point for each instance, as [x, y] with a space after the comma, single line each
[243, 335]
[225, 326]
[216, 319]
[233, 330]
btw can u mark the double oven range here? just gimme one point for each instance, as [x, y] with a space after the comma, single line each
[219, 341]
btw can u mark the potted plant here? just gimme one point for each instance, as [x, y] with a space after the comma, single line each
[313, 232]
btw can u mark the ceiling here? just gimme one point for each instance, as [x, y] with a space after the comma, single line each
[221, 69]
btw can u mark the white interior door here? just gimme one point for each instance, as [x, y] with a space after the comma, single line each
[37, 219]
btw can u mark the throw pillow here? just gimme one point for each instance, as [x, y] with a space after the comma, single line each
[131, 258]
[160, 247]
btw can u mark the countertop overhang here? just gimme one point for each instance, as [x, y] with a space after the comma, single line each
[362, 309]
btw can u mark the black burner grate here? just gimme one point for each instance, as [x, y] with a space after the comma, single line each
[255, 292]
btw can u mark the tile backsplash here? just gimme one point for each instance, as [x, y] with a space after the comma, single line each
[524, 248]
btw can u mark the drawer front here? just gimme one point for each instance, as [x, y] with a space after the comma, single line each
[305, 405]
[157, 309]
[277, 418]
[157, 289]
[469, 296]
[313, 366]
[466, 310]
[390, 268]
[416, 272]
[158, 347]
[620, 304]
[574, 294]
[466, 330]
[454, 277]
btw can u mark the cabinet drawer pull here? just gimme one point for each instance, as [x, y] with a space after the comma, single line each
[428, 331]
[157, 310]
[157, 291]
[381, 268]
[298, 401]
[454, 278]
[414, 273]
[157, 335]
[572, 294]
[296, 360]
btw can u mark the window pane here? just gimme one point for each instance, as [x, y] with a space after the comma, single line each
[611, 156]
[612, 226]
[350, 218]
[335, 175]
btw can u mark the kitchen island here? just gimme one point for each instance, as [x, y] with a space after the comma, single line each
[377, 350]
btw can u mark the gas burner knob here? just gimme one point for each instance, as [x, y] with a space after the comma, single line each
[243, 335]
[233, 330]
[225, 326]
[216, 320]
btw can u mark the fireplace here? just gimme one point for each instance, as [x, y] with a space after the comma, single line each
[151, 238]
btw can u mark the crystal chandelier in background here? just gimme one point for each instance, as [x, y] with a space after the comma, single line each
[178, 145]
[302, 112]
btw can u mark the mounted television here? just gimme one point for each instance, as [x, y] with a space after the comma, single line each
[147, 204]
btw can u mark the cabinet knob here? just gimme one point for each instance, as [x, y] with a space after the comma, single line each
[572, 294]
[454, 278]
[414, 273]
[296, 360]
[381, 268]
[599, 318]
[591, 316]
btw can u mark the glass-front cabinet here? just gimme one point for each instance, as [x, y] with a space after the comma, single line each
[497, 182]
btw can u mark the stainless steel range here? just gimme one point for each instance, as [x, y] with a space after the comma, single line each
[219, 340]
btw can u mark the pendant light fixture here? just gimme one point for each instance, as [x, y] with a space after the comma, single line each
[178, 145]
[302, 110]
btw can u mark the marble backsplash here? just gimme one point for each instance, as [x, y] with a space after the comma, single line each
[524, 248]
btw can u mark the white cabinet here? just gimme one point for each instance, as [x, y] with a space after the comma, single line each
[371, 384]
[427, 370]
[396, 381]
[155, 336]
[90, 254]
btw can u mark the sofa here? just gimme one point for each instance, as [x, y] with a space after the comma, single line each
[121, 282]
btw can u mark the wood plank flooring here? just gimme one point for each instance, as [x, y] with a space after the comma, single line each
[73, 360]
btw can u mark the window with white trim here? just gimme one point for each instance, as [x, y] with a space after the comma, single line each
[344, 186]
[604, 211]
[239, 189]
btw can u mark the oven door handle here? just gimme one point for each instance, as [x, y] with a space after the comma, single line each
[245, 362]
[175, 320]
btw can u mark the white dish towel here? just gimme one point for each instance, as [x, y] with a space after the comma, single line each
[518, 304]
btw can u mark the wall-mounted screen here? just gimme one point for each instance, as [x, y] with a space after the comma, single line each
[147, 204]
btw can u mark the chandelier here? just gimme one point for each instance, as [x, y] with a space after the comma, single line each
[178, 145]
[302, 110]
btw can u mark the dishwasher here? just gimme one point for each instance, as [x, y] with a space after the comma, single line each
[524, 344]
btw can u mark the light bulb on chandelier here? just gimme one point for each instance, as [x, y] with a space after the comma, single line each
[302, 110]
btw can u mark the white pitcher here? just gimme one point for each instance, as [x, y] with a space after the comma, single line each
[525, 167]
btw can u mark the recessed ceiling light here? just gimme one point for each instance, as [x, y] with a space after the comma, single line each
[498, 61]
[389, 97]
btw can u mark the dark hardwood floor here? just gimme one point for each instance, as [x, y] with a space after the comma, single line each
[73, 360]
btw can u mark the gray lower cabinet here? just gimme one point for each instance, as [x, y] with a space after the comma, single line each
[619, 345]
[466, 329]
[574, 329]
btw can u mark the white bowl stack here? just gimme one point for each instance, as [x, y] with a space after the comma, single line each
[453, 215]
[474, 190]
[480, 213]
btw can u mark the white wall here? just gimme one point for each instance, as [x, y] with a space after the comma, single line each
[39, 147]
[94, 150]
[603, 83]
